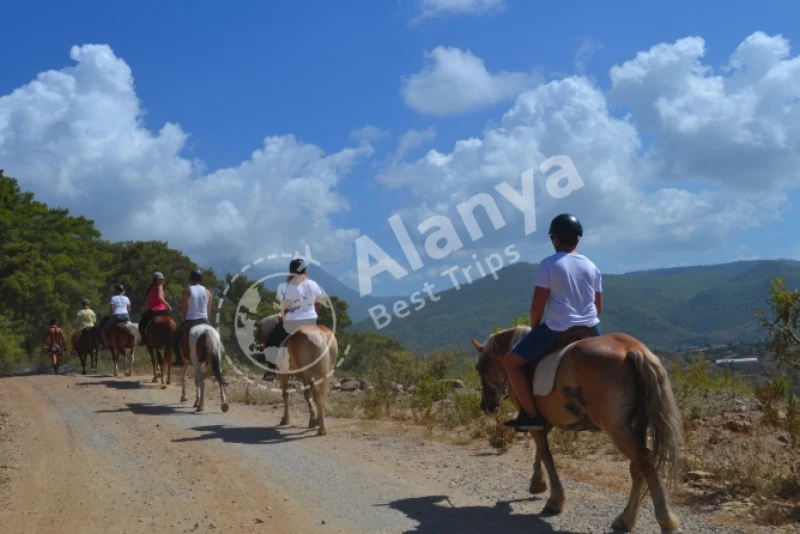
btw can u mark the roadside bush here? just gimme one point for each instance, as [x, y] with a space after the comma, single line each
[701, 391]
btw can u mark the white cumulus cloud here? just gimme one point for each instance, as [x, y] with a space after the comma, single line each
[432, 8]
[75, 137]
[725, 149]
[454, 81]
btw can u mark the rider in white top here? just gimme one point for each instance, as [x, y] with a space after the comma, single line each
[195, 309]
[300, 300]
[301, 304]
[119, 307]
[197, 306]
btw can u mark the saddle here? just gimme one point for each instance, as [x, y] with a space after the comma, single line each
[544, 372]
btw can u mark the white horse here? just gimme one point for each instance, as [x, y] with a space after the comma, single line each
[203, 345]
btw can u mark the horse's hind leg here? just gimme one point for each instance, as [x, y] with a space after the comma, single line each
[308, 393]
[82, 357]
[284, 389]
[160, 361]
[199, 384]
[643, 465]
[183, 383]
[626, 521]
[320, 391]
[153, 361]
[538, 484]
[115, 357]
[555, 504]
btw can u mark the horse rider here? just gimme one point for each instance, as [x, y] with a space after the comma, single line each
[570, 286]
[301, 305]
[84, 319]
[155, 303]
[119, 309]
[195, 309]
[55, 343]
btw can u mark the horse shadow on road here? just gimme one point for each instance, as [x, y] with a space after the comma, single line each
[435, 515]
[113, 384]
[140, 408]
[256, 435]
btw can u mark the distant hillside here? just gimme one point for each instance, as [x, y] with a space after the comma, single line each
[666, 308]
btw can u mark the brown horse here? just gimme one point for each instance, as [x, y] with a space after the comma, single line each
[87, 343]
[612, 383]
[122, 340]
[158, 334]
[202, 344]
[312, 351]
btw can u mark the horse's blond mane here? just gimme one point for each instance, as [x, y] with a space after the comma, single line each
[492, 344]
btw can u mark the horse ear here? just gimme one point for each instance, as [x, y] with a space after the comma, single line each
[477, 344]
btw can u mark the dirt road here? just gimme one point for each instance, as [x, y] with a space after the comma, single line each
[99, 454]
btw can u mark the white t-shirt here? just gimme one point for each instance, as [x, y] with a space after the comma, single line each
[301, 298]
[120, 303]
[573, 280]
[197, 307]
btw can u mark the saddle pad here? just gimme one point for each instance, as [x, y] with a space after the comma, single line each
[545, 375]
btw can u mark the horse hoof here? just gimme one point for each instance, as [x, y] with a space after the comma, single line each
[154, 381]
[163, 386]
[322, 432]
[199, 409]
[312, 423]
[225, 407]
[184, 399]
[537, 487]
[619, 524]
[552, 508]
[283, 422]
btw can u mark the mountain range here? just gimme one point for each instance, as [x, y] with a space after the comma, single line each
[668, 309]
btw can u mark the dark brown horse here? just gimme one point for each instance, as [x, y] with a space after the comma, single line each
[158, 334]
[612, 383]
[87, 343]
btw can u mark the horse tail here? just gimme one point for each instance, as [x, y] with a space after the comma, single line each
[214, 345]
[662, 411]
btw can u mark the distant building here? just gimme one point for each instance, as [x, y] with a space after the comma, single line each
[732, 361]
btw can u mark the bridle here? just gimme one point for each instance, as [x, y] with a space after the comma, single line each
[483, 361]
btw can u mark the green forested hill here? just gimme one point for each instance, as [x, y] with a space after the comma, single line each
[666, 308]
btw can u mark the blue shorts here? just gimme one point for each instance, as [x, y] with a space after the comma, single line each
[535, 345]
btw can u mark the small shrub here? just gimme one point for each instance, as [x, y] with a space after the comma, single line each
[702, 392]
[771, 395]
[793, 419]
[428, 391]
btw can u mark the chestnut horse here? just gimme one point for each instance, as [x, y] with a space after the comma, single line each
[87, 343]
[123, 337]
[612, 383]
[157, 336]
[202, 344]
[312, 351]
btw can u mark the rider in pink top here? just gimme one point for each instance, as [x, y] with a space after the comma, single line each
[156, 303]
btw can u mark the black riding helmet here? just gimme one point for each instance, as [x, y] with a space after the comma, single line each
[119, 288]
[566, 226]
[297, 266]
[196, 276]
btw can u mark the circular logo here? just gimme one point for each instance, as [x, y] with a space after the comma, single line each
[253, 313]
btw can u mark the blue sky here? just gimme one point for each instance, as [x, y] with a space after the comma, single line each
[231, 76]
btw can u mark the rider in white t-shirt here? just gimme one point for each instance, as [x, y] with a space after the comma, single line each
[571, 288]
[301, 305]
[119, 307]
